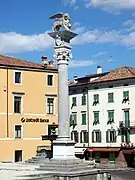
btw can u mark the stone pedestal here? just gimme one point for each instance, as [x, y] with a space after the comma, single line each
[63, 149]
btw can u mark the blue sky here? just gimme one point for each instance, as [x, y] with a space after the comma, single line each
[105, 28]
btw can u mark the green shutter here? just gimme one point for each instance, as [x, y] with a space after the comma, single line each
[92, 136]
[74, 101]
[110, 97]
[125, 94]
[84, 118]
[71, 135]
[127, 120]
[81, 137]
[115, 137]
[122, 138]
[100, 136]
[76, 136]
[107, 136]
[127, 137]
[84, 99]
[71, 122]
[87, 134]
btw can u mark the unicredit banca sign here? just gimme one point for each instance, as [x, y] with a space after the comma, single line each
[34, 120]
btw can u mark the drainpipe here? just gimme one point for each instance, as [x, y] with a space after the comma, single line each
[7, 105]
[88, 113]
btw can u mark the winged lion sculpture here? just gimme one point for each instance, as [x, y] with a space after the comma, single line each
[62, 20]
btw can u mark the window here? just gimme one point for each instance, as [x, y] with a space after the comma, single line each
[110, 116]
[126, 118]
[17, 104]
[74, 136]
[96, 99]
[96, 136]
[84, 136]
[18, 77]
[18, 132]
[110, 97]
[50, 105]
[83, 118]
[50, 80]
[74, 101]
[111, 156]
[111, 136]
[96, 118]
[84, 99]
[97, 157]
[73, 119]
[125, 96]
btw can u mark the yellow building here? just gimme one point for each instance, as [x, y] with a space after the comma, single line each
[29, 95]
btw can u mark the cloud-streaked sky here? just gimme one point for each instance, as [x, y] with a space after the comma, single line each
[106, 28]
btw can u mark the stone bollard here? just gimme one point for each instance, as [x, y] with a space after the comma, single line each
[99, 175]
[105, 176]
[109, 176]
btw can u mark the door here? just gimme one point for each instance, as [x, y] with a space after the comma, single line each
[18, 155]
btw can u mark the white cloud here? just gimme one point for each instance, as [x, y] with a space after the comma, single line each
[100, 54]
[12, 42]
[69, 2]
[81, 63]
[129, 25]
[97, 36]
[112, 5]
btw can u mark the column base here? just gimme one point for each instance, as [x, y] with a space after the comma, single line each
[63, 149]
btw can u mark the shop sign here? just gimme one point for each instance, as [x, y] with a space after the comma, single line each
[34, 120]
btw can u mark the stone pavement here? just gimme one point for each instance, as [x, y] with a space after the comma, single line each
[14, 171]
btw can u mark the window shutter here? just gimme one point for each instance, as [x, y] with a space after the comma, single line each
[71, 135]
[107, 136]
[92, 136]
[127, 137]
[75, 118]
[77, 137]
[71, 122]
[81, 137]
[115, 137]
[100, 136]
[87, 137]
[83, 118]
[122, 138]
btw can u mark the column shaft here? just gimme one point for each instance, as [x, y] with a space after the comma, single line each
[63, 120]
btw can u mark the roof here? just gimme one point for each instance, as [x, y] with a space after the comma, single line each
[117, 74]
[14, 62]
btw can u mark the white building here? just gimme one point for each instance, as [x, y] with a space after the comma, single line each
[109, 131]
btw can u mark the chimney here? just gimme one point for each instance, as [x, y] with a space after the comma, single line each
[99, 70]
[44, 61]
[75, 78]
[50, 63]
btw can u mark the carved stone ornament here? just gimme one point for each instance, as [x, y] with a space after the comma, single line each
[64, 55]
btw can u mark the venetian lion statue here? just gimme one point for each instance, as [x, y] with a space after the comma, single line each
[62, 20]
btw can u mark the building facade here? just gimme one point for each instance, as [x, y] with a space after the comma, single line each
[28, 94]
[110, 116]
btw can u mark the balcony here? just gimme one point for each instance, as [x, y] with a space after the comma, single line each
[52, 133]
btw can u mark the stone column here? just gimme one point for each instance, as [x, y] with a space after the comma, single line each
[63, 147]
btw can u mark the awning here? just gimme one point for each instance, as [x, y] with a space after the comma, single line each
[79, 150]
[90, 149]
[103, 149]
[127, 151]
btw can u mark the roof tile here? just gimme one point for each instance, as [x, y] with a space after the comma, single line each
[11, 61]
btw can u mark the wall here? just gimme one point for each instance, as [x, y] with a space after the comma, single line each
[34, 92]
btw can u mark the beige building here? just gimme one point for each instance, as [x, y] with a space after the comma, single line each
[29, 95]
